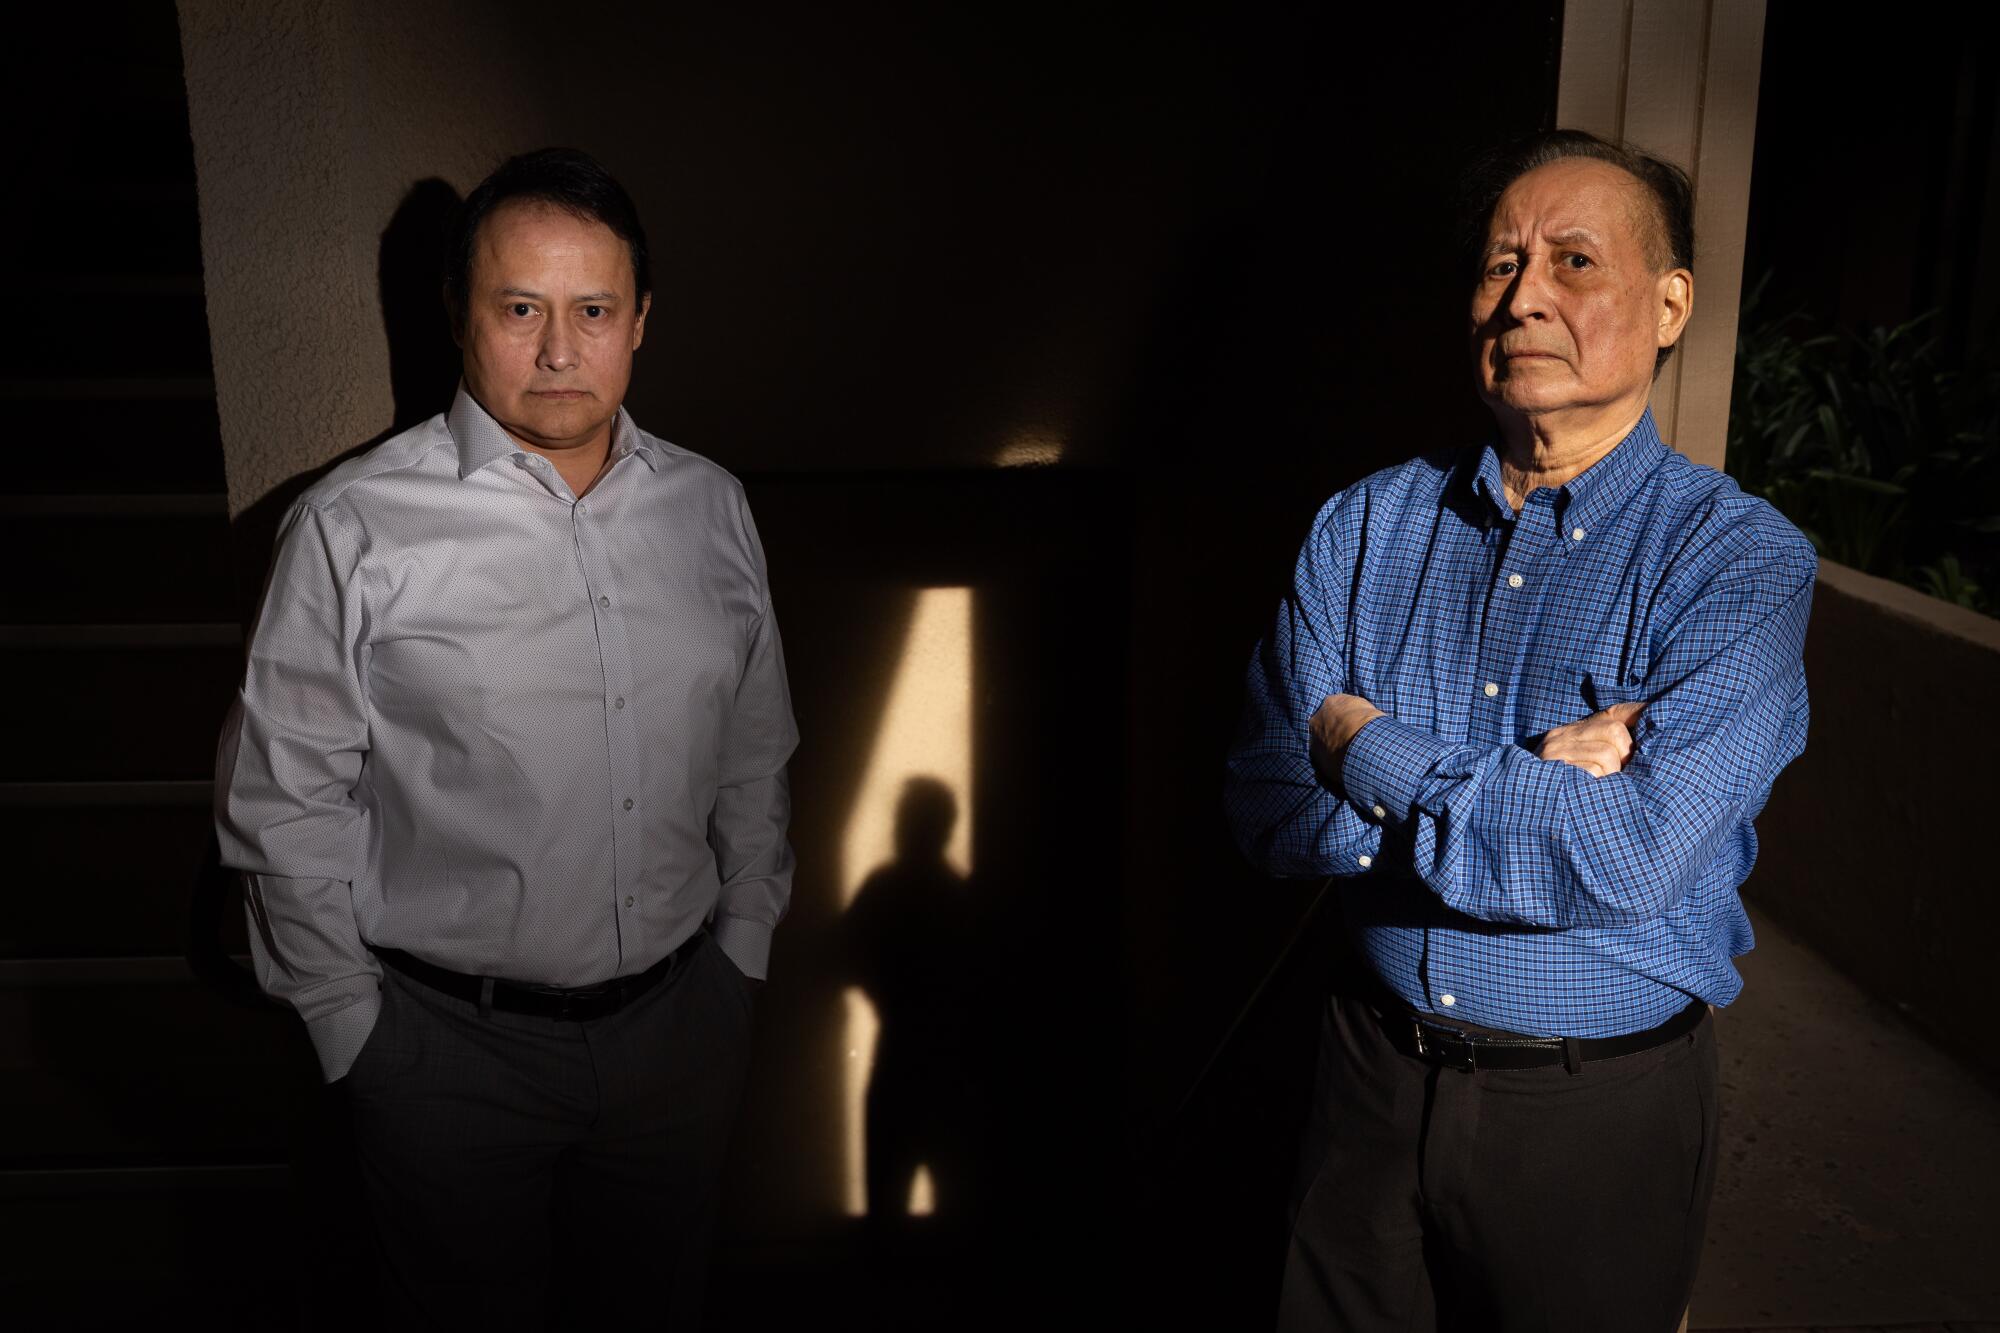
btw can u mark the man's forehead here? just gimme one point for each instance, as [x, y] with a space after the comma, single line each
[1572, 199]
[1557, 232]
[548, 222]
[530, 231]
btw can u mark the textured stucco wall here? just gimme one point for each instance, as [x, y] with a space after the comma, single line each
[311, 121]
[1877, 843]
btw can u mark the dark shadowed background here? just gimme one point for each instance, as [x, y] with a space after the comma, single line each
[1081, 310]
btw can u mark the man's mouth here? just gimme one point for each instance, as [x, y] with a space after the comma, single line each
[560, 395]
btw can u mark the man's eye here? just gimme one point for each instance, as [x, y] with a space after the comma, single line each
[1503, 269]
[593, 311]
[1577, 261]
[521, 308]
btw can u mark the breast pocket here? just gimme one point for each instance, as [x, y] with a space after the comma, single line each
[1600, 689]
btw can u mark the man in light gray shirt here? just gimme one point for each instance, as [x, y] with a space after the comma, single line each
[506, 778]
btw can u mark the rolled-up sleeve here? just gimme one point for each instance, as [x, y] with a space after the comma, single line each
[288, 767]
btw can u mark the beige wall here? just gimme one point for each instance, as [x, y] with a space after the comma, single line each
[1877, 843]
[311, 120]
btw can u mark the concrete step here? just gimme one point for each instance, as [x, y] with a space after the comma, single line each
[106, 879]
[148, 1248]
[122, 35]
[102, 436]
[134, 1062]
[116, 559]
[99, 236]
[120, 707]
[137, 134]
[155, 331]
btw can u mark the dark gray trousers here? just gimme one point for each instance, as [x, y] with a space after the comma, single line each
[1500, 1200]
[528, 1173]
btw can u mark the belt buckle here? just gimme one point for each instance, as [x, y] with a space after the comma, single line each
[565, 1003]
[1455, 1051]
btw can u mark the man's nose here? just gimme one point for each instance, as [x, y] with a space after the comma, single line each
[558, 347]
[1527, 296]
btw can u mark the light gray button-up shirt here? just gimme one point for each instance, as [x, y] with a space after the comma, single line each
[511, 732]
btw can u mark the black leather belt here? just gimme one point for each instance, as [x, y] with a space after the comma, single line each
[1454, 1048]
[576, 1004]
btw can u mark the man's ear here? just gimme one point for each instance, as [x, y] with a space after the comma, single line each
[452, 320]
[1676, 297]
[639, 324]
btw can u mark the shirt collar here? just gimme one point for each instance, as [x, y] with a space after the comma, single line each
[1487, 482]
[481, 441]
[1596, 491]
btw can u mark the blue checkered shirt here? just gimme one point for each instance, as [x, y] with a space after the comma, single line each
[1482, 882]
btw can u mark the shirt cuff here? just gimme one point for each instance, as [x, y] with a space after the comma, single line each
[1386, 765]
[339, 1036]
[747, 942]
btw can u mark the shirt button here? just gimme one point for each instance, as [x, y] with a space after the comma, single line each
[1492, 690]
[604, 601]
[1515, 580]
[1380, 813]
[628, 900]
[628, 802]
[618, 702]
[584, 507]
[1446, 1000]
[1576, 534]
[1365, 861]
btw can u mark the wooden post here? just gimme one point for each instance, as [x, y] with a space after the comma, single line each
[1678, 78]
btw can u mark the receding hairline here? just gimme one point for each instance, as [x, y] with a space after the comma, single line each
[526, 203]
[535, 203]
[1644, 208]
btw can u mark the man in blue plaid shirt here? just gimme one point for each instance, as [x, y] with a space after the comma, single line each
[1525, 699]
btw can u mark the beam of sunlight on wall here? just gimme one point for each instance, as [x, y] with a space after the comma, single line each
[857, 1038]
[926, 732]
[1029, 449]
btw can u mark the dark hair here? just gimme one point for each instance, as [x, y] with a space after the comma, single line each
[562, 178]
[1671, 244]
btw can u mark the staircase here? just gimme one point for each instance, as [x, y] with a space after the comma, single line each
[146, 1114]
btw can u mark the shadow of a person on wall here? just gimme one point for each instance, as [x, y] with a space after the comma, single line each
[423, 355]
[914, 943]
[423, 366]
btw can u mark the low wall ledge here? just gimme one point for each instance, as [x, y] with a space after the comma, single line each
[1907, 604]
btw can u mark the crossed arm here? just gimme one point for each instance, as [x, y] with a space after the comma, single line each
[1608, 821]
[1599, 744]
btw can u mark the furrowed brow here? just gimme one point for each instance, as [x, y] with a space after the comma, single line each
[1577, 236]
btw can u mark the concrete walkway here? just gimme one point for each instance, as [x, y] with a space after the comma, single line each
[1861, 1166]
